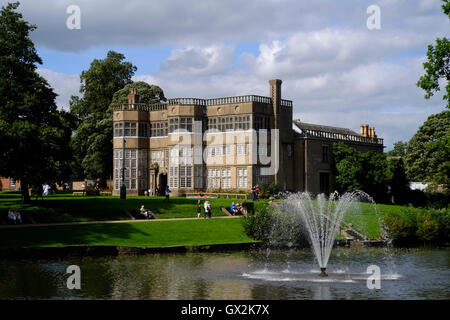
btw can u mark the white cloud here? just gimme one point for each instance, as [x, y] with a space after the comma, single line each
[198, 22]
[335, 70]
[198, 61]
[65, 85]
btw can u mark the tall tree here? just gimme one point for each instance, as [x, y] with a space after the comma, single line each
[437, 65]
[34, 135]
[399, 149]
[427, 156]
[398, 181]
[92, 142]
[356, 170]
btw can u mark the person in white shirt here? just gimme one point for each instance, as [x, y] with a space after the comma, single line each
[12, 216]
[46, 189]
[207, 206]
[144, 212]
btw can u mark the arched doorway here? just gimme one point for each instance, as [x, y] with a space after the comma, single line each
[162, 183]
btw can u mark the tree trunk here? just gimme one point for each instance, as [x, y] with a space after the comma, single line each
[24, 190]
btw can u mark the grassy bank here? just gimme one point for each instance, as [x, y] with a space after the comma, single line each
[144, 234]
[64, 207]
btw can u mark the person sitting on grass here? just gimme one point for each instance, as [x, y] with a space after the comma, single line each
[14, 216]
[18, 216]
[233, 209]
[244, 207]
[239, 208]
[143, 212]
[11, 217]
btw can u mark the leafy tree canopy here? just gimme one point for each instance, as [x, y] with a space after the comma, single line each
[427, 157]
[437, 66]
[361, 171]
[107, 81]
[147, 93]
[399, 149]
[34, 135]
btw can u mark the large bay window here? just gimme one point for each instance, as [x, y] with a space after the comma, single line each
[135, 169]
[180, 169]
[242, 177]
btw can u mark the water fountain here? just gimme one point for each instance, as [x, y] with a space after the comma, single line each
[322, 218]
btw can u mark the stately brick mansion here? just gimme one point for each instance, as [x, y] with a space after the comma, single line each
[223, 144]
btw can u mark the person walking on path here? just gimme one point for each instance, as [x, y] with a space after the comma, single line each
[83, 187]
[167, 193]
[199, 208]
[46, 191]
[207, 209]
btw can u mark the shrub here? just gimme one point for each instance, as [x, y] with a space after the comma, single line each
[427, 229]
[257, 226]
[267, 190]
[411, 226]
[401, 227]
[276, 228]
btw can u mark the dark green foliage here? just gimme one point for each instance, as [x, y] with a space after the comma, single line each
[446, 7]
[437, 66]
[399, 149]
[147, 93]
[412, 227]
[278, 229]
[398, 182]
[426, 199]
[107, 82]
[92, 142]
[34, 135]
[401, 226]
[428, 157]
[267, 190]
[361, 171]
[257, 226]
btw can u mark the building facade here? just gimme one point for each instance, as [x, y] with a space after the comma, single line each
[8, 183]
[224, 144]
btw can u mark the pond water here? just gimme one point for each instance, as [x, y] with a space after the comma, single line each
[263, 274]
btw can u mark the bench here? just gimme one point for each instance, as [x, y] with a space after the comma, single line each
[79, 193]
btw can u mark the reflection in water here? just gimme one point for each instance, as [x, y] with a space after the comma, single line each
[262, 275]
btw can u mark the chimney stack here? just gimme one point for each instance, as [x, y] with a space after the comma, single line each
[367, 131]
[133, 97]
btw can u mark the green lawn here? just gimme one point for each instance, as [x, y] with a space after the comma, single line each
[368, 220]
[143, 234]
[64, 207]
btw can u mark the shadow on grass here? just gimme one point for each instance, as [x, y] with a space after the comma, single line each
[95, 234]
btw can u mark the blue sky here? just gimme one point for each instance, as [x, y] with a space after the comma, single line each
[336, 70]
[146, 60]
